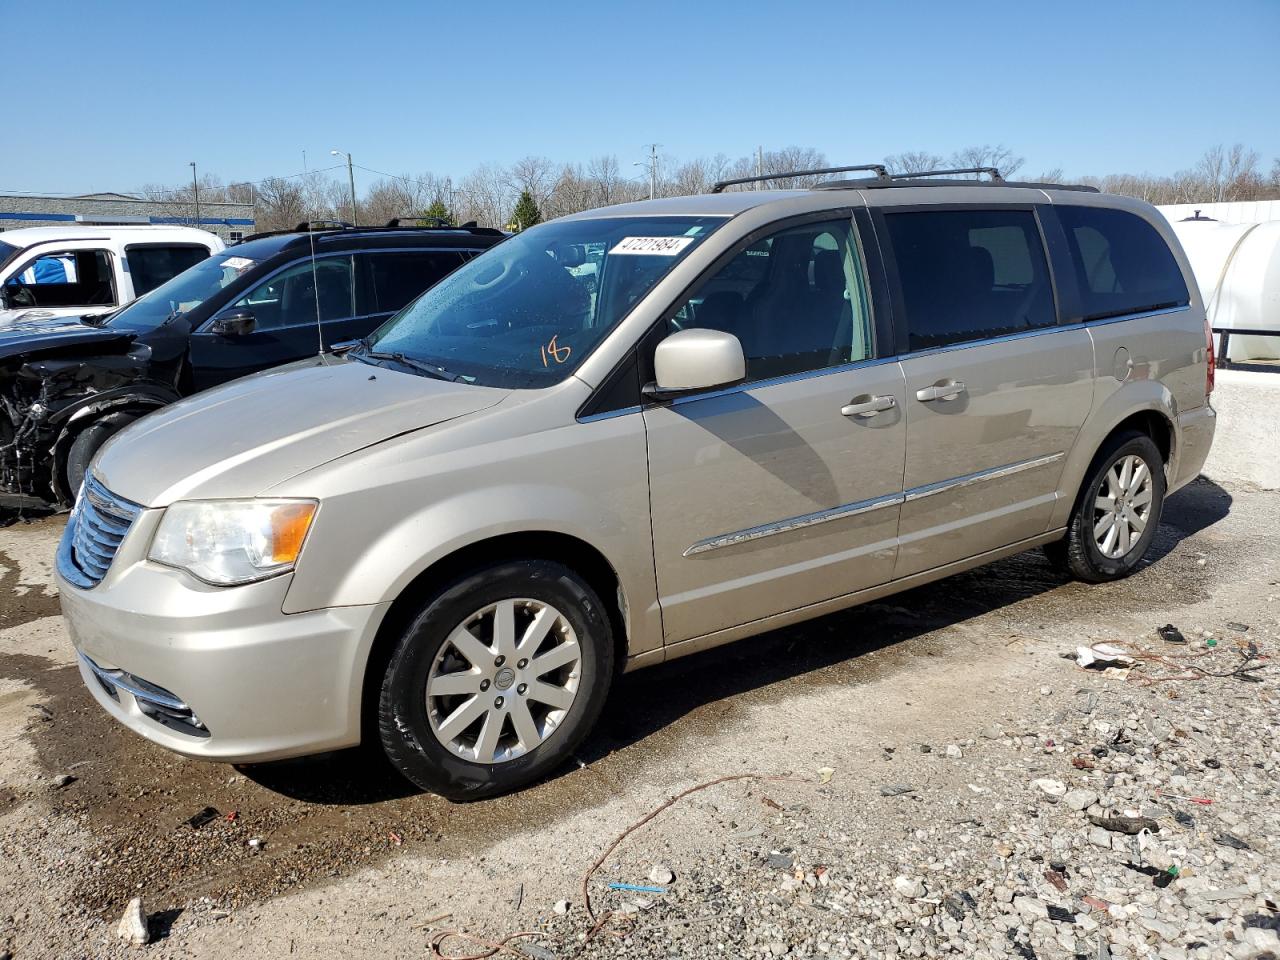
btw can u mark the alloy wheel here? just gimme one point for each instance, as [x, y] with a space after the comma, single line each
[504, 680]
[1122, 506]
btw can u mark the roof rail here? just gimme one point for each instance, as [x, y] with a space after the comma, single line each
[877, 168]
[992, 172]
[309, 225]
[908, 180]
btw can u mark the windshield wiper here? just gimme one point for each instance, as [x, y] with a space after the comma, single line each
[430, 369]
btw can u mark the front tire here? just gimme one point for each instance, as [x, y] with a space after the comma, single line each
[87, 443]
[497, 680]
[1118, 511]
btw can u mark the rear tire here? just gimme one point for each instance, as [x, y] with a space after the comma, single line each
[1117, 513]
[497, 680]
[87, 443]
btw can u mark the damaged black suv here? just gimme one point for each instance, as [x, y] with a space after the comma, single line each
[68, 385]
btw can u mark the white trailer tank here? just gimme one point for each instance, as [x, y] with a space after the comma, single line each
[1237, 266]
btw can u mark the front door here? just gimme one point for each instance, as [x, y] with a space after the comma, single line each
[296, 310]
[996, 393]
[784, 491]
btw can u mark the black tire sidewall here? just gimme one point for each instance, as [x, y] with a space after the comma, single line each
[86, 444]
[404, 728]
[1085, 548]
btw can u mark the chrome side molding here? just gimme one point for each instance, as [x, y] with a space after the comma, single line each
[968, 480]
[866, 506]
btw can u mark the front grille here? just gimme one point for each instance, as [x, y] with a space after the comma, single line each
[161, 705]
[97, 527]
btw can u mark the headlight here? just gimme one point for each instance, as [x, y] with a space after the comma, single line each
[232, 541]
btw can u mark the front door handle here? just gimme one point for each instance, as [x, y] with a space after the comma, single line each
[868, 406]
[946, 390]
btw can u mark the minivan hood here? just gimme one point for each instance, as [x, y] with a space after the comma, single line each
[241, 438]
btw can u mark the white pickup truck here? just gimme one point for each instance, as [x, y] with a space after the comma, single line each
[74, 271]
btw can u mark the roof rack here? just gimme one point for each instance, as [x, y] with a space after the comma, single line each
[341, 226]
[878, 168]
[992, 172]
[922, 180]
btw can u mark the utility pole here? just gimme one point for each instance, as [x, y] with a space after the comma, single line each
[195, 191]
[351, 178]
[652, 164]
[759, 167]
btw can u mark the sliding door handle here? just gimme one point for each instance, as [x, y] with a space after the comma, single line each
[946, 390]
[868, 406]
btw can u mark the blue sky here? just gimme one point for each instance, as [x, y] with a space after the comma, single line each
[113, 95]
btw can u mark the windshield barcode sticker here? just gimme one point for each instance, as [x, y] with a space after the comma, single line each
[652, 246]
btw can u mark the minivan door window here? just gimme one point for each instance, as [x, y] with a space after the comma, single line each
[1122, 264]
[970, 275]
[796, 301]
[66, 278]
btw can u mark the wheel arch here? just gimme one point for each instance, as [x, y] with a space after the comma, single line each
[72, 419]
[571, 551]
[1146, 406]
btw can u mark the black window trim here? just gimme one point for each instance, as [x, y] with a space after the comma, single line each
[640, 356]
[901, 334]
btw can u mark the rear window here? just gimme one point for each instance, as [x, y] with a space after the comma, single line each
[970, 274]
[1122, 264]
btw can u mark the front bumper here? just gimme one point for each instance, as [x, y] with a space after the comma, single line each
[158, 650]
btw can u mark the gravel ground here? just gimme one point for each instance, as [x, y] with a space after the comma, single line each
[934, 778]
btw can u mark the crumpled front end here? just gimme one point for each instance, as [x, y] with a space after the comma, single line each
[41, 402]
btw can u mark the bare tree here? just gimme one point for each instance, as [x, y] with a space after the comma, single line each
[999, 156]
[913, 161]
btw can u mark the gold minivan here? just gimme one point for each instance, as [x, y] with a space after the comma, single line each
[628, 435]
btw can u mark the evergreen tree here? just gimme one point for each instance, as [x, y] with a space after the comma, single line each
[526, 213]
[436, 215]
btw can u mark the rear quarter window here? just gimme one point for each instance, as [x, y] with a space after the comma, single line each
[1122, 264]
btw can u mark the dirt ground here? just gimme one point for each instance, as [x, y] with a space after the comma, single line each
[352, 861]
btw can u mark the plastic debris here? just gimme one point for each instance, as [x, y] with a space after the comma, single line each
[1103, 656]
[637, 888]
[206, 815]
[1170, 634]
[825, 774]
[561, 907]
[133, 927]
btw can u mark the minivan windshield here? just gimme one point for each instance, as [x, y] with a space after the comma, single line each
[182, 293]
[529, 310]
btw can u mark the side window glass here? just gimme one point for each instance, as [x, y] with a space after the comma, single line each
[151, 266]
[398, 277]
[292, 296]
[69, 278]
[1122, 264]
[796, 300]
[970, 274]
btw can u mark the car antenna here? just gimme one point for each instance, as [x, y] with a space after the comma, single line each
[315, 280]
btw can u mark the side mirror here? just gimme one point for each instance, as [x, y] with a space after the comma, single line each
[692, 360]
[233, 323]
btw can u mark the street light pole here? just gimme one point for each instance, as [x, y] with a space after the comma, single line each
[195, 191]
[351, 178]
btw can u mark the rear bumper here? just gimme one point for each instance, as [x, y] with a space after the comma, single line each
[220, 674]
[1195, 437]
